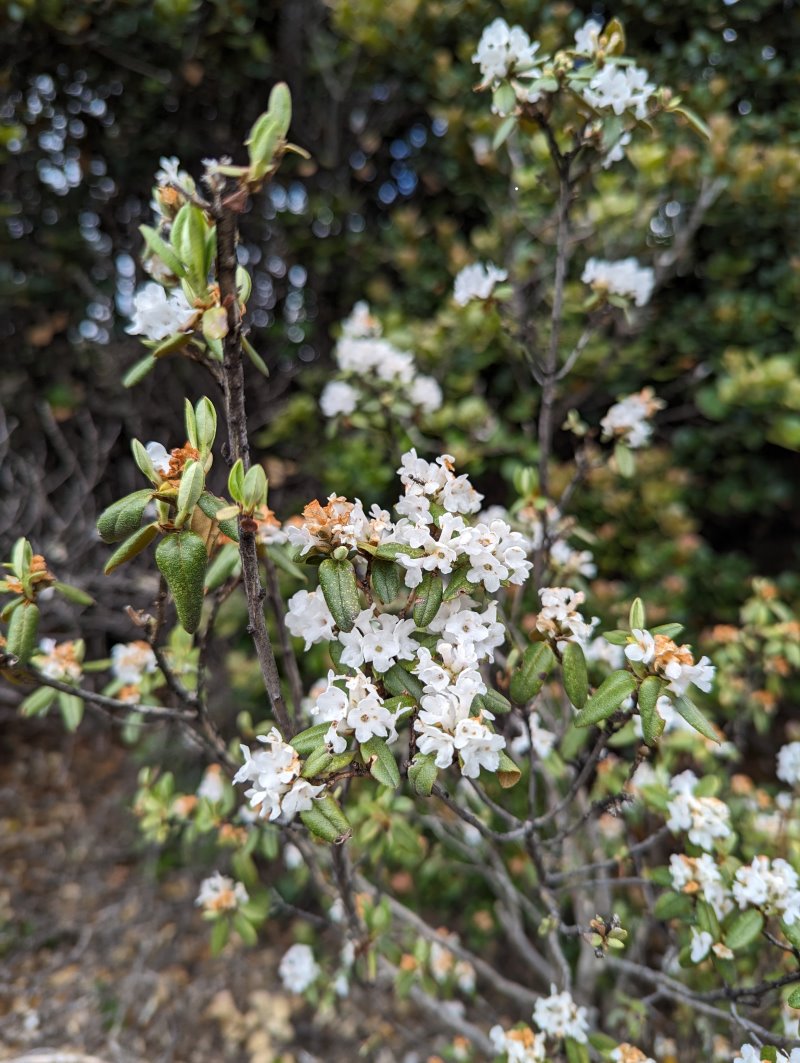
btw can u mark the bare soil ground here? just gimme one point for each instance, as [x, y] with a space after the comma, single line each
[102, 952]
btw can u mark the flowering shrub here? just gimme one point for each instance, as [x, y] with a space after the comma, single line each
[455, 705]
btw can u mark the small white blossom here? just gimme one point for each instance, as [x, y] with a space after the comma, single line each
[643, 648]
[298, 969]
[520, 1045]
[477, 282]
[559, 1016]
[159, 456]
[503, 50]
[587, 37]
[130, 661]
[212, 787]
[621, 89]
[771, 886]
[274, 772]
[58, 660]
[629, 419]
[218, 893]
[789, 763]
[308, 617]
[706, 819]
[337, 398]
[158, 315]
[625, 277]
[700, 944]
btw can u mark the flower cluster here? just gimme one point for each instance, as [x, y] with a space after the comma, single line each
[277, 789]
[477, 282]
[60, 660]
[322, 529]
[504, 51]
[620, 89]
[218, 893]
[706, 819]
[674, 663]
[629, 419]
[158, 314]
[559, 618]
[373, 367]
[298, 969]
[131, 661]
[702, 877]
[559, 1016]
[772, 886]
[751, 1054]
[358, 710]
[520, 1045]
[308, 617]
[625, 278]
[789, 763]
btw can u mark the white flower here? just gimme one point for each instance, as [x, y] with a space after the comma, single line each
[559, 617]
[308, 617]
[700, 875]
[212, 787]
[503, 50]
[159, 457]
[275, 776]
[621, 89]
[298, 969]
[478, 747]
[750, 1054]
[379, 640]
[629, 418]
[700, 945]
[218, 893]
[789, 763]
[559, 1016]
[643, 648]
[338, 397]
[158, 315]
[772, 887]
[705, 818]
[170, 171]
[586, 38]
[426, 393]
[625, 277]
[362, 322]
[477, 282]
[130, 661]
[616, 153]
[58, 660]
[520, 1045]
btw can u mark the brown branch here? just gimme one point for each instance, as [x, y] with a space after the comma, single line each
[226, 216]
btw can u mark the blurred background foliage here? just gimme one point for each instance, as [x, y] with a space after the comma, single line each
[402, 191]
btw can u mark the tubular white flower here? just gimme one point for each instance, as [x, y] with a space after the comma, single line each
[559, 1016]
[503, 50]
[158, 315]
[625, 277]
[477, 282]
[298, 969]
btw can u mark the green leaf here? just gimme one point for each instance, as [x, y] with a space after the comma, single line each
[389, 551]
[458, 584]
[508, 774]
[616, 638]
[340, 589]
[429, 598]
[214, 323]
[132, 546]
[138, 371]
[171, 344]
[576, 679]
[188, 237]
[422, 772]
[387, 579]
[637, 616]
[694, 120]
[193, 480]
[398, 680]
[225, 563]
[254, 356]
[123, 517]
[219, 935]
[162, 250]
[280, 106]
[211, 505]
[670, 630]
[285, 563]
[791, 932]
[745, 928]
[527, 680]
[793, 1000]
[626, 463]
[503, 132]
[496, 702]
[310, 739]
[672, 906]
[37, 703]
[245, 929]
[22, 630]
[181, 558]
[327, 820]
[382, 765]
[236, 481]
[606, 699]
[576, 1052]
[205, 419]
[21, 557]
[73, 594]
[71, 710]
[318, 762]
[652, 721]
[694, 717]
